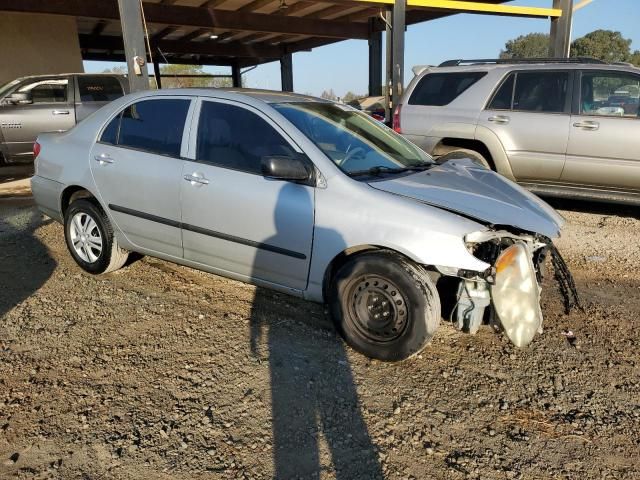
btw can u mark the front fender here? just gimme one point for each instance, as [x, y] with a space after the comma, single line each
[498, 153]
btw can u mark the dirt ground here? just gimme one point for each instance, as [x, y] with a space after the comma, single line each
[160, 371]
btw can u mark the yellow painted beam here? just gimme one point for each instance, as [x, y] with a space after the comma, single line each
[465, 6]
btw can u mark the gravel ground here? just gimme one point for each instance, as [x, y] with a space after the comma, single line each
[160, 371]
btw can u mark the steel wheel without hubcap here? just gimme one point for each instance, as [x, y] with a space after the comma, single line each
[85, 237]
[377, 307]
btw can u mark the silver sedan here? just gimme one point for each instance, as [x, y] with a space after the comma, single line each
[305, 196]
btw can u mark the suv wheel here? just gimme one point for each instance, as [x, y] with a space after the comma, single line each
[90, 238]
[384, 306]
[464, 153]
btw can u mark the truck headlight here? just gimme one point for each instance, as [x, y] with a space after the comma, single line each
[516, 295]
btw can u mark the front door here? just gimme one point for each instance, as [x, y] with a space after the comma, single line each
[137, 168]
[234, 220]
[530, 115]
[604, 144]
[50, 109]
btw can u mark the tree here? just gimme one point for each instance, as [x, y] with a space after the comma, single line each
[527, 46]
[118, 69]
[350, 97]
[605, 45]
[176, 82]
[635, 58]
[329, 95]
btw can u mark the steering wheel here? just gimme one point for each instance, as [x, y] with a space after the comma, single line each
[357, 152]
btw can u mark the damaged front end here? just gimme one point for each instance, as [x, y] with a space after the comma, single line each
[507, 294]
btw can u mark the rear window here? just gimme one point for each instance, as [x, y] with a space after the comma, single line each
[438, 89]
[154, 126]
[99, 88]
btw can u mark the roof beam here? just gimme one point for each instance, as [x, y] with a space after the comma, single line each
[194, 17]
[231, 49]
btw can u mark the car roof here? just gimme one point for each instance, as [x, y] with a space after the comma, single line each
[486, 67]
[265, 96]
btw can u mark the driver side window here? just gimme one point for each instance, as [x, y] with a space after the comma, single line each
[236, 138]
[52, 90]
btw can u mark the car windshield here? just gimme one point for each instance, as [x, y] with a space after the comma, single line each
[355, 142]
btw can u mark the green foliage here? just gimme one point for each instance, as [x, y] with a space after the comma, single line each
[605, 45]
[350, 97]
[168, 82]
[527, 46]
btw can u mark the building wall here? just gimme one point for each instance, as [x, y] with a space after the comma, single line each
[37, 44]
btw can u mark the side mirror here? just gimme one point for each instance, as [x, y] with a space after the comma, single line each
[281, 167]
[20, 98]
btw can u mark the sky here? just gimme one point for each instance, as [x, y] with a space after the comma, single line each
[343, 66]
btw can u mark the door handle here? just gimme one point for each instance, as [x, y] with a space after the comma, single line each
[587, 125]
[196, 179]
[60, 112]
[499, 119]
[103, 159]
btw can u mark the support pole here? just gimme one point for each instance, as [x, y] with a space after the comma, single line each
[560, 41]
[388, 78]
[286, 72]
[236, 76]
[134, 48]
[399, 20]
[156, 73]
[375, 60]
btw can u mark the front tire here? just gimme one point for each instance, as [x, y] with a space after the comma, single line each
[90, 240]
[384, 306]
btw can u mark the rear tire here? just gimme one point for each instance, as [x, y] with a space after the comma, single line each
[465, 153]
[90, 240]
[384, 306]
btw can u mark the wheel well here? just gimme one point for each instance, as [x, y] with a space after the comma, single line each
[348, 254]
[450, 144]
[70, 194]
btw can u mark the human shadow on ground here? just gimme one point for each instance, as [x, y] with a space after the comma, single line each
[25, 263]
[313, 392]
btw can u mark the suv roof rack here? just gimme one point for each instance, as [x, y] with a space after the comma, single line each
[507, 61]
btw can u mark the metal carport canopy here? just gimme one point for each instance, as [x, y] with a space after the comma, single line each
[249, 32]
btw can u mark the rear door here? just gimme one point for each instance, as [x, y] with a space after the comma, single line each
[50, 110]
[530, 114]
[436, 106]
[604, 144]
[95, 91]
[137, 167]
[234, 219]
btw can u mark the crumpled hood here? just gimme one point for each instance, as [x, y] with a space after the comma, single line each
[463, 186]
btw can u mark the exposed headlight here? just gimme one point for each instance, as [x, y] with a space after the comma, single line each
[516, 295]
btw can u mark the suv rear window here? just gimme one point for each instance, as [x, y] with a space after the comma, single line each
[99, 88]
[438, 89]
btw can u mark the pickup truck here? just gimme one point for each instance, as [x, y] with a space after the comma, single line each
[50, 103]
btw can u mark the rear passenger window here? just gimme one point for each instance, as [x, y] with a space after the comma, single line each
[438, 89]
[502, 99]
[103, 88]
[233, 137]
[110, 133]
[154, 126]
[541, 92]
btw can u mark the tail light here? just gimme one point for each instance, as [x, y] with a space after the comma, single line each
[396, 119]
[36, 150]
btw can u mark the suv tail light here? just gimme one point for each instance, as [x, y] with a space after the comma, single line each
[396, 118]
[36, 150]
